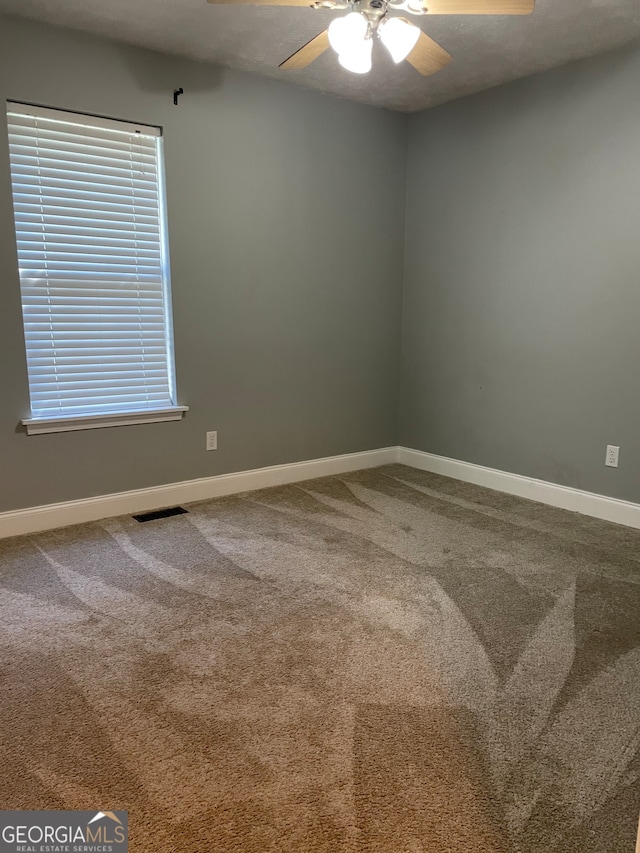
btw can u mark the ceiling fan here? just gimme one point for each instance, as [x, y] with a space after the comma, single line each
[351, 36]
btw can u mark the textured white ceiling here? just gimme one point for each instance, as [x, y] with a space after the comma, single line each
[486, 51]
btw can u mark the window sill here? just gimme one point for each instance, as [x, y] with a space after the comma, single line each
[36, 426]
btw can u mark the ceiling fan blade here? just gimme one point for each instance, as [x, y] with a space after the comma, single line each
[308, 52]
[480, 7]
[427, 56]
[305, 3]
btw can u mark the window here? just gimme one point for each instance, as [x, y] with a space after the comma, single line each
[89, 215]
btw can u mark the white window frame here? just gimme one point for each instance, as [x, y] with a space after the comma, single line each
[145, 414]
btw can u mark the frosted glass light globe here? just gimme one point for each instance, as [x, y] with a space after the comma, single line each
[344, 32]
[357, 57]
[399, 37]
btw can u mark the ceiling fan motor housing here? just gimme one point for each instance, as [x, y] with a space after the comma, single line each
[373, 10]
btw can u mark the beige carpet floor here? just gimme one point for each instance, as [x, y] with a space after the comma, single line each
[383, 662]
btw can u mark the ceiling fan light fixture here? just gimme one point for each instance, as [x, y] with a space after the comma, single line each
[399, 36]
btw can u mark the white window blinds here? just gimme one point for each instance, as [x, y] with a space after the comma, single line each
[89, 217]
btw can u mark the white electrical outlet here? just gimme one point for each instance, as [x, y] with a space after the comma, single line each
[611, 459]
[212, 440]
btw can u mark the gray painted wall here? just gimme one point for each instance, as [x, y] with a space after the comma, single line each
[521, 326]
[286, 209]
[286, 218]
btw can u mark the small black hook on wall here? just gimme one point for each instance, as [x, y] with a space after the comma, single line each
[176, 94]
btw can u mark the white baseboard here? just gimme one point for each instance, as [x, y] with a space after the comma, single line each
[587, 503]
[34, 519]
